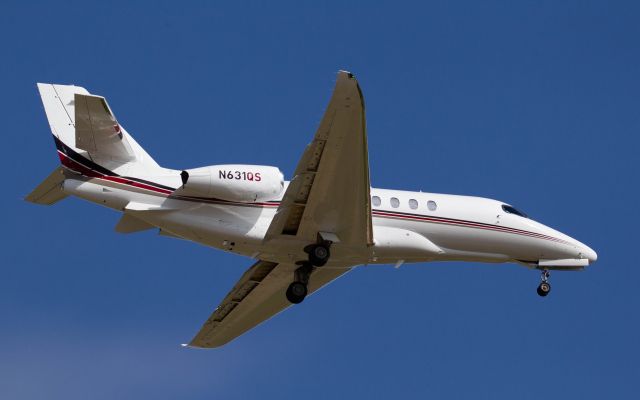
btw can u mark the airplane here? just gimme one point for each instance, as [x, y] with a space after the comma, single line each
[302, 233]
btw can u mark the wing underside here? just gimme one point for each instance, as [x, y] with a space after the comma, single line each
[329, 195]
[330, 189]
[258, 295]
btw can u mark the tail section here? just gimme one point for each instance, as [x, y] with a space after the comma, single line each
[85, 124]
[92, 144]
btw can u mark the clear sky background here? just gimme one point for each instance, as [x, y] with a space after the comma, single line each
[535, 103]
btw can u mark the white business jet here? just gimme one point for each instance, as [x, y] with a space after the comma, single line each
[303, 233]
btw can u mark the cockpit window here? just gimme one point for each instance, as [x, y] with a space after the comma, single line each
[513, 210]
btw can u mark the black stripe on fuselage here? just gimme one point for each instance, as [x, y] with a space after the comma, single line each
[87, 163]
[75, 156]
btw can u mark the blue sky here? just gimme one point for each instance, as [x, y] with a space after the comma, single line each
[534, 103]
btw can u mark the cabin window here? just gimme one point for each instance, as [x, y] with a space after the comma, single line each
[413, 204]
[512, 210]
[395, 203]
[431, 205]
[375, 200]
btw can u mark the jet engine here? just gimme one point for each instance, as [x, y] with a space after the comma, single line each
[241, 183]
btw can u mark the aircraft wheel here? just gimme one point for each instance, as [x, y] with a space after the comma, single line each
[296, 292]
[543, 289]
[319, 255]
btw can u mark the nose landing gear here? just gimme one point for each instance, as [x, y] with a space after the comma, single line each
[544, 288]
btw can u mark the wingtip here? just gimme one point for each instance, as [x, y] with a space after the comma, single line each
[347, 73]
[190, 346]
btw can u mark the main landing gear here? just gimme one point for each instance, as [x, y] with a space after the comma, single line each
[318, 256]
[544, 288]
[297, 290]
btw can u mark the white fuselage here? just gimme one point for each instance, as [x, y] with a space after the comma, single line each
[407, 226]
[302, 234]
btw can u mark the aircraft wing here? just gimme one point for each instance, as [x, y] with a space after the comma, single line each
[330, 189]
[256, 297]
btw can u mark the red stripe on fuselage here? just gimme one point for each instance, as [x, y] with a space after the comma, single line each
[468, 224]
[135, 184]
[86, 171]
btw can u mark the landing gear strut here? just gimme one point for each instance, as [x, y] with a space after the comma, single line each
[544, 288]
[297, 290]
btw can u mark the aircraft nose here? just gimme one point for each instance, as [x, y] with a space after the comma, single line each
[590, 254]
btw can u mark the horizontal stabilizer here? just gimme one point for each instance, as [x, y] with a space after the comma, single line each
[98, 131]
[49, 191]
[131, 224]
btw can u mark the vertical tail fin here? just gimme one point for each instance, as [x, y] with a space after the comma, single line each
[85, 124]
[58, 101]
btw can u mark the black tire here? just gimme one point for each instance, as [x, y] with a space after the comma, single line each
[296, 292]
[543, 289]
[319, 255]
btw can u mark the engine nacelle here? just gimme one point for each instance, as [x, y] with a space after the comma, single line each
[242, 183]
